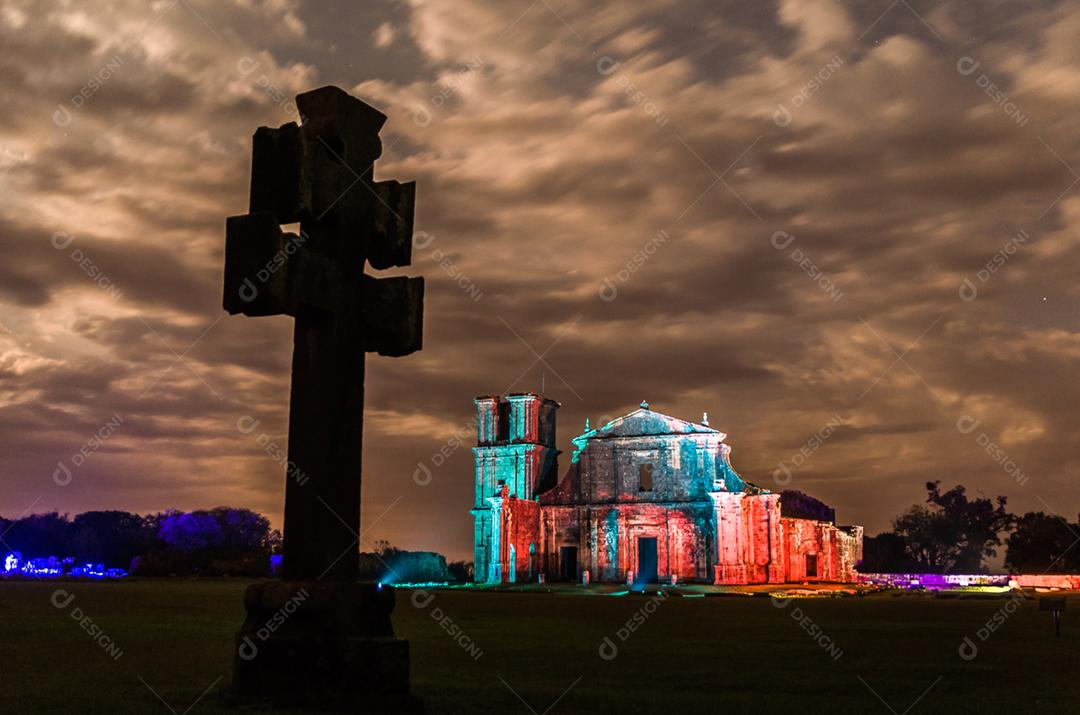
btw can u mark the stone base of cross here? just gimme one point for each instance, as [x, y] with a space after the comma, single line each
[319, 637]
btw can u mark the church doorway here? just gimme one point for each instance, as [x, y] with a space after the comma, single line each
[568, 563]
[647, 561]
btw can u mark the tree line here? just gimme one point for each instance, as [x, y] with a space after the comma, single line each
[954, 533]
[212, 542]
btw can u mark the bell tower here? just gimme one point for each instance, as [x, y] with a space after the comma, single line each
[514, 457]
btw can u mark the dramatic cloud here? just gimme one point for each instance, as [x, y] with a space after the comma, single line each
[847, 231]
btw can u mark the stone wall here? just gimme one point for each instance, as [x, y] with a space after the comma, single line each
[830, 550]
[748, 538]
[1068, 581]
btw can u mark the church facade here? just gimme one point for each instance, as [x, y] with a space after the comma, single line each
[646, 498]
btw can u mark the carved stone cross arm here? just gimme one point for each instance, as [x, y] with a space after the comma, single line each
[269, 272]
[319, 174]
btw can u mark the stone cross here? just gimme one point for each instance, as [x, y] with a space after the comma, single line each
[319, 173]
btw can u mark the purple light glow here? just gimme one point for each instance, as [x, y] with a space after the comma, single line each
[937, 581]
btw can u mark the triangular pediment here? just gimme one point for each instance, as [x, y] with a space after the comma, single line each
[645, 422]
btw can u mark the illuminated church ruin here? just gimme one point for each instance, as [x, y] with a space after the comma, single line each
[647, 498]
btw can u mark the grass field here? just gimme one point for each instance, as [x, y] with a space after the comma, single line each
[541, 652]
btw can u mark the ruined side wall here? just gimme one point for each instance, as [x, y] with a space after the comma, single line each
[748, 538]
[836, 550]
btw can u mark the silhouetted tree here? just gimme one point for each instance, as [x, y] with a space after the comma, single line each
[112, 538]
[242, 528]
[191, 531]
[223, 540]
[38, 535]
[953, 534]
[1041, 543]
[928, 538]
[977, 524]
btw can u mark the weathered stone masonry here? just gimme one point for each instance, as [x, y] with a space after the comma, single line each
[647, 497]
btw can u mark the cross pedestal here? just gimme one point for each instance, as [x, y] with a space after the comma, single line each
[319, 637]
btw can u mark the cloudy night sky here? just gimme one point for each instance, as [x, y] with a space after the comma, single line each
[773, 212]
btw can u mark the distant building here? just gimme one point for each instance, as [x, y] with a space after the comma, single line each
[647, 498]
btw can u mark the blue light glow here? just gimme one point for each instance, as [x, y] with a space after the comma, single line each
[51, 567]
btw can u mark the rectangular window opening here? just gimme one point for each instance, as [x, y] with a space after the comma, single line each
[645, 477]
[503, 423]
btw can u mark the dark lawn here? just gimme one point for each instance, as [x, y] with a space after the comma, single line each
[690, 654]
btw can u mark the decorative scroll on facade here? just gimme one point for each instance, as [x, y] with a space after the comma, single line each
[647, 497]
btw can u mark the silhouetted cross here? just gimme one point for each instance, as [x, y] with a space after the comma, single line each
[320, 175]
